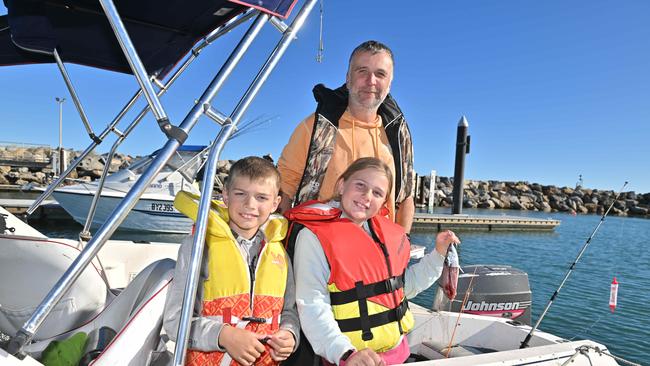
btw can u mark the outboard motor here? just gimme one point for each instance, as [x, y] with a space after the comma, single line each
[496, 290]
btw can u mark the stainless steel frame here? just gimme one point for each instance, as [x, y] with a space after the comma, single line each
[133, 59]
[25, 334]
[207, 40]
[73, 94]
[208, 182]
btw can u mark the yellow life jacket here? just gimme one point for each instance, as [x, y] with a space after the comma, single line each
[227, 294]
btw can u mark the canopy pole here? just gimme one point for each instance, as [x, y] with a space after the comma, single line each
[26, 333]
[208, 181]
[218, 32]
[140, 73]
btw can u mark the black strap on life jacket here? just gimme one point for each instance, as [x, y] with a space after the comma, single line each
[372, 289]
[374, 320]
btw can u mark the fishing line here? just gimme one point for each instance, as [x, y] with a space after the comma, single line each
[524, 344]
[470, 288]
[619, 233]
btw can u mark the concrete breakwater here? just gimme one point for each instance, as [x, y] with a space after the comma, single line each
[523, 195]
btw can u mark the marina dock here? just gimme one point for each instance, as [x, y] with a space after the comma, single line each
[421, 222]
[438, 222]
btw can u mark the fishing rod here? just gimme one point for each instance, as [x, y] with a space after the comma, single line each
[524, 344]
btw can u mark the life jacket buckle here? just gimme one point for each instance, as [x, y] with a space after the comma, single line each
[254, 319]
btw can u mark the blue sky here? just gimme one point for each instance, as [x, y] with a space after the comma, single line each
[551, 89]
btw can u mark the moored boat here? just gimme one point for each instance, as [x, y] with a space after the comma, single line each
[155, 211]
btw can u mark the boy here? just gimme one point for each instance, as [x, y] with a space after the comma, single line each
[245, 309]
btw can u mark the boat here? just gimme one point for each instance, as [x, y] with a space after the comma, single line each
[155, 210]
[52, 289]
[467, 339]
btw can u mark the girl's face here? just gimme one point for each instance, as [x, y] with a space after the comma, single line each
[363, 194]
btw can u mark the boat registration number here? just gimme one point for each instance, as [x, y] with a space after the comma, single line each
[162, 207]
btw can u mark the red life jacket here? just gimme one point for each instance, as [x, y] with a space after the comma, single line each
[367, 274]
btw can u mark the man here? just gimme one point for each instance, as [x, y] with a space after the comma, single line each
[359, 119]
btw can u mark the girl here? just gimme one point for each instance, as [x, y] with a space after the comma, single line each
[352, 274]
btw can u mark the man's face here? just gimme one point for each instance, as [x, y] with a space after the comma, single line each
[368, 79]
[250, 203]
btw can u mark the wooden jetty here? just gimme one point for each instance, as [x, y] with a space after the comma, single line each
[438, 222]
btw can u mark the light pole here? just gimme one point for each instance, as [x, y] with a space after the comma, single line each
[61, 159]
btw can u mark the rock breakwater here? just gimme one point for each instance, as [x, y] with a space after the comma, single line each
[23, 165]
[523, 195]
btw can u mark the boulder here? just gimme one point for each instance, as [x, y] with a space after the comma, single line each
[638, 211]
[487, 204]
[497, 202]
[544, 206]
[591, 207]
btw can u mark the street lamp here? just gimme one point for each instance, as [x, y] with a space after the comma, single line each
[61, 159]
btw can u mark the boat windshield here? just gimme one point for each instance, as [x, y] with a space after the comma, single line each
[187, 161]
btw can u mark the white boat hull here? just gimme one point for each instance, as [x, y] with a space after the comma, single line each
[153, 214]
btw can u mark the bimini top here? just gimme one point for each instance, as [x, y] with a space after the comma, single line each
[162, 31]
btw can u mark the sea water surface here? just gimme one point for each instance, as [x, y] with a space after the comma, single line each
[620, 248]
[581, 310]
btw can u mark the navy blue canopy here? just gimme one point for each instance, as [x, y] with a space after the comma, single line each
[162, 31]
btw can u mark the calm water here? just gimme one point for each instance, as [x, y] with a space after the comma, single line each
[581, 310]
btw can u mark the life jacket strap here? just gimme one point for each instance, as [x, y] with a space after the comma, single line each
[364, 319]
[372, 289]
[275, 323]
[375, 320]
[227, 315]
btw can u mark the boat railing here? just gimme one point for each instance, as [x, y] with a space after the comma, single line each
[112, 126]
[176, 137]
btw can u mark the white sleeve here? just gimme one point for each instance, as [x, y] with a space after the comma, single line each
[421, 275]
[312, 297]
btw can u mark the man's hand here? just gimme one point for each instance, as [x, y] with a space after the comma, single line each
[242, 345]
[367, 357]
[281, 343]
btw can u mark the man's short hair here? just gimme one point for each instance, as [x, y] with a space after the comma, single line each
[255, 169]
[373, 47]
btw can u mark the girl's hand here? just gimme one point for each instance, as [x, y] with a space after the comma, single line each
[281, 343]
[444, 239]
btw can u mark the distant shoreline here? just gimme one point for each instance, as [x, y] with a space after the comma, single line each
[525, 196]
[20, 166]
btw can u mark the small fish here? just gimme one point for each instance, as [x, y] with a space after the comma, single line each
[449, 277]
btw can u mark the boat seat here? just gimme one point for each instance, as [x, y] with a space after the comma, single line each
[435, 351]
[34, 265]
[135, 314]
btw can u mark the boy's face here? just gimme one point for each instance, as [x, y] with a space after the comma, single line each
[250, 203]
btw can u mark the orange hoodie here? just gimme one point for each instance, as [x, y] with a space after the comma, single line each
[355, 139]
